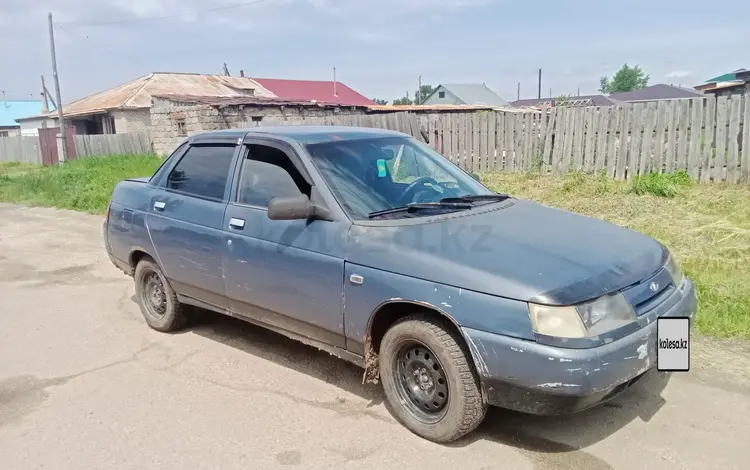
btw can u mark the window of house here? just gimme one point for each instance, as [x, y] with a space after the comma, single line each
[181, 129]
[202, 171]
[267, 172]
[441, 94]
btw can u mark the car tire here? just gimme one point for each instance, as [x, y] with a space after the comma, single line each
[429, 379]
[158, 302]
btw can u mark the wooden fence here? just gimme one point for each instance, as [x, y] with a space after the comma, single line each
[19, 148]
[131, 143]
[704, 136]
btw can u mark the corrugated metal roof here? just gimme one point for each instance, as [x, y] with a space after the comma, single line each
[246, 100]
[308, 90]
[429, 107]
[10, 110]
[596, 100]
[471, 93]
[656, 92]
[138, 93]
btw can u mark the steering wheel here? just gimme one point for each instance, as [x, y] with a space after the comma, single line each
[413, 186]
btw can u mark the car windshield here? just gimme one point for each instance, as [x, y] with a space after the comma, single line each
[373, 175]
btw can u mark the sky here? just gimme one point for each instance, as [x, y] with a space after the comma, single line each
[379, 47]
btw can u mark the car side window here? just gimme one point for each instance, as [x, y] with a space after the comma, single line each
[203, 171]
[268, 172]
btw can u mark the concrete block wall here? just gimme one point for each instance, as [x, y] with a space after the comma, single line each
[172, 122]
[131, 120]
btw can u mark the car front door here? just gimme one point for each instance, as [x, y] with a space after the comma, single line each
[185, 219]
[285, 274]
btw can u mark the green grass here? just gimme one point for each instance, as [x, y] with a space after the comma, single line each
[16, 168]
[707, 227]
[84, 185]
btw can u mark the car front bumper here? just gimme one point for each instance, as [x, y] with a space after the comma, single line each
[535, 378]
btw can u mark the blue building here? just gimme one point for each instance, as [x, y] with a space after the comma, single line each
[10, 110]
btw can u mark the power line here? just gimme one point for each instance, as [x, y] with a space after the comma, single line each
[164, 17]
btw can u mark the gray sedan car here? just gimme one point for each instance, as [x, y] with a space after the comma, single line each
[370, 245]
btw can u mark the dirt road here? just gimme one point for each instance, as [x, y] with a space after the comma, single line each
[85, 384]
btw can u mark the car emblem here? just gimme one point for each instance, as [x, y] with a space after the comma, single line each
[654, 287]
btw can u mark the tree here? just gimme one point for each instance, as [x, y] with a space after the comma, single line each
[563, 100]
[422, 93]
[626, 79]
[404, 100]
[380, 102]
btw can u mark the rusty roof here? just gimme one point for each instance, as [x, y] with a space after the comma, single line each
[137, 93]
[246, 100]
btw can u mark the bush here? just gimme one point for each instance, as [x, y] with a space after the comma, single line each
[661, 184]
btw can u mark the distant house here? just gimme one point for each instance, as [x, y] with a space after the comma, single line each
[328, 92]
[474, 94]
[585, 100]
[656, 93]
[732, 83]
[10, 110]
[125, 108]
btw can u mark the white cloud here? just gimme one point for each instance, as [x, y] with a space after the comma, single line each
[679, 74]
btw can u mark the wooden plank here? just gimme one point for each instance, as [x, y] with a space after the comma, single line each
[722, 114]
[570, 123]
[694, 148]
[549, 118]
[528, 133]
[649, 122]
[636, 140]
[475, 141]
[589, 154]
[491, 139]
[577, 130]
[707, 138]
[445, 124]
[461, 140]
[482, 132]
[672, 123]
[660, 135]
[559, 144]
[683, 136]
[538, 162]
[510, 142]
[500, 138]
[745, 163]
[615, 115]
[622, 150]
[602, 127]
[733, 157]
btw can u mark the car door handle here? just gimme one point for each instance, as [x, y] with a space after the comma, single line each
[237, 223]
[159, 205]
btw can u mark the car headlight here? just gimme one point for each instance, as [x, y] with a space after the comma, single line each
[674, 271]
[593, 318]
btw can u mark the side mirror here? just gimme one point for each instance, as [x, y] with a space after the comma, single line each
[291, 208]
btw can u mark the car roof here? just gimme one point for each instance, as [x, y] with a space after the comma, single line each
[316, 134]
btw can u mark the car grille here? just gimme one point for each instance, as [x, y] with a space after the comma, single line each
[650, 293]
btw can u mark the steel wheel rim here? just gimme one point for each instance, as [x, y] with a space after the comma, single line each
[154, 295]
[421, 382]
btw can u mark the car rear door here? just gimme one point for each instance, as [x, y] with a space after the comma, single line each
[185, 219]
[285, 274]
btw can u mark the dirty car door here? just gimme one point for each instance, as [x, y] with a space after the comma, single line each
[281, 273]
[184, 220]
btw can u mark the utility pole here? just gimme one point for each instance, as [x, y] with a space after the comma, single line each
[518, 93]
[539, 93]
[62, 148]
[418, 98]
[335, 93]
[550, 93]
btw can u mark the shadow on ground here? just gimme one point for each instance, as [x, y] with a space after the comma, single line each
[550, 441]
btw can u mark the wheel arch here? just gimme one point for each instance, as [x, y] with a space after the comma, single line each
[385, 315]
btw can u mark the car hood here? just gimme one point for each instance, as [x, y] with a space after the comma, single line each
[514, 249]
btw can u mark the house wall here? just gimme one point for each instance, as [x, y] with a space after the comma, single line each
[30, 126]
[131, 120]
[172, 122]
[449, 98]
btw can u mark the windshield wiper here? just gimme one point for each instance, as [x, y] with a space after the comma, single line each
[476, 198]
[422, 205]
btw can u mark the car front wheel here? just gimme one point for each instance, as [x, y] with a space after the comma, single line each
[429, 379]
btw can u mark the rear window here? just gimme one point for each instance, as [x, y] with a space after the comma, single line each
[203, 171]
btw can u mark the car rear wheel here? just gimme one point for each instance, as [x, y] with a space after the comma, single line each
[429, 379]
[158, 302]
